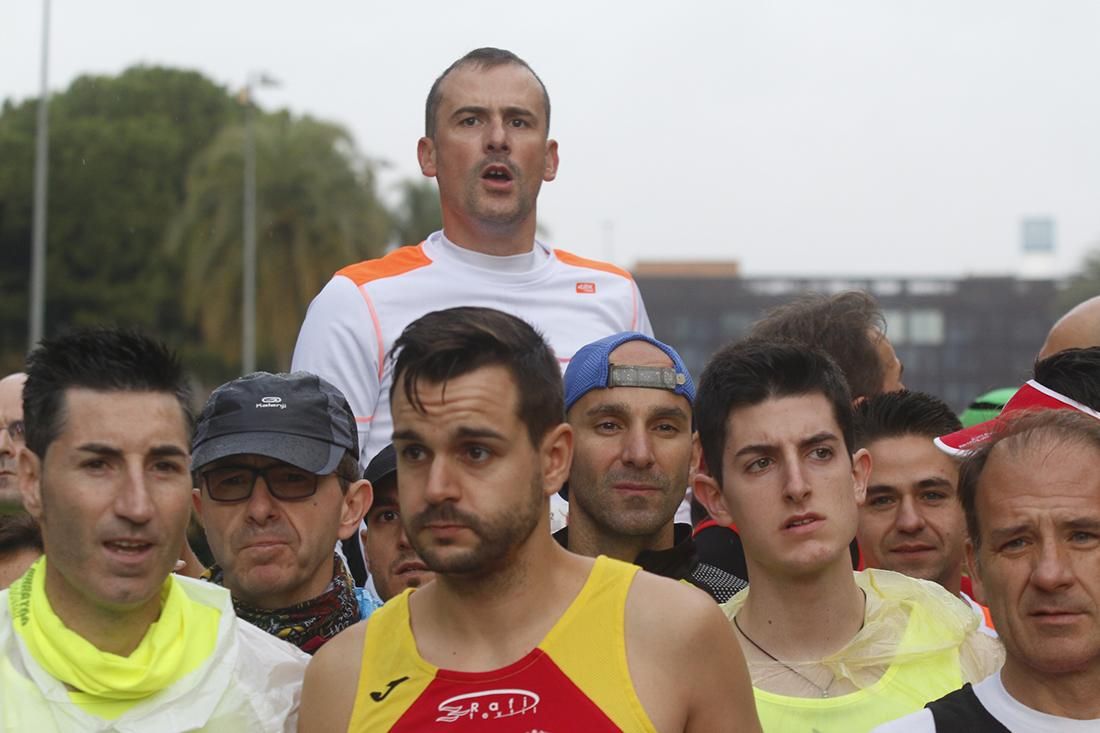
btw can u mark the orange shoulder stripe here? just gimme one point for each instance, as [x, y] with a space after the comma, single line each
[398, 262]
[571, 259]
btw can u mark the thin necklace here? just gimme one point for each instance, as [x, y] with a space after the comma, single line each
[823, 690]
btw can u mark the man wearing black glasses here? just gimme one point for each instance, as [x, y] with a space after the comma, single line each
[11, 438]
[275, 461]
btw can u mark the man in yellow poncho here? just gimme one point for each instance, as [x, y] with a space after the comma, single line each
[828, 649]
[97, 635]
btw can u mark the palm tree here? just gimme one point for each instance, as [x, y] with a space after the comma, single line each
[316, 211]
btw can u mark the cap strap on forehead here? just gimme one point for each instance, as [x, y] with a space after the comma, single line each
[652, 377]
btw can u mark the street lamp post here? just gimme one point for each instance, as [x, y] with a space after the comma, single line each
[41, 159]
[248, 321]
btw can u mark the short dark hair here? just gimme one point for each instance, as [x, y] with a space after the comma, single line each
[754, 370]
[482, 58]
[456, 341]
[1074, 373]
[19, 531]
[898, 414]
[96, 358]
[842, 326]
[1019, 432]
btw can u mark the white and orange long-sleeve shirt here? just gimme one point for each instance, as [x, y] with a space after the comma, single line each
[353, 322]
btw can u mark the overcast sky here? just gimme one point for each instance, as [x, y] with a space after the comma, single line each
[796, 137]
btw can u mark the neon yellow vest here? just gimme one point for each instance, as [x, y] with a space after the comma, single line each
[904, 688]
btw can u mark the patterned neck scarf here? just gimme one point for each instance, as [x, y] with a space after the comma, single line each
[307, 625]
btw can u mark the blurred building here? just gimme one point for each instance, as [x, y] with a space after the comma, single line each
[957, 337]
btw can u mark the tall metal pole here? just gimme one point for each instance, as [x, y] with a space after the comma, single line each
[41, 160]
[248, 329]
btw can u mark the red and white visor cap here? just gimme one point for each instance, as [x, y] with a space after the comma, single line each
[1031, 396]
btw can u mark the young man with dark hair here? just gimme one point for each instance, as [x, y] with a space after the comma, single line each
[391, 559]
[628, 398]
[486, 143]
[513, 626]
[98, 634]
[276, 463]
[911, 521]
[1031, 493]
[828, 649]
[847, 326]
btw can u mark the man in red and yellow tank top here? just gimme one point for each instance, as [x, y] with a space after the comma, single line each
[516, 634]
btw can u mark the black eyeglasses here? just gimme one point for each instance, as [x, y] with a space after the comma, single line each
[235, 483]
[16, 430]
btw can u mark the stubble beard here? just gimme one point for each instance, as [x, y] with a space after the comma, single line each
[498, 536]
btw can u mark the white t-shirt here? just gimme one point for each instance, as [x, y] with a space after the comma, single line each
[353, 322]
[1011, 713]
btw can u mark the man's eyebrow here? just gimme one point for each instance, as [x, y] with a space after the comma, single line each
[1084, 523]
[607, 408]
[469, 109]
[100, 449]
[667, 411]
[168, 451]
[1002, 533]
[823, 437]
[468, 432]
[933, 482]
[408, 434]
[881, 489]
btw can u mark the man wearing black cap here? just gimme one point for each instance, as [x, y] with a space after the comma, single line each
[275, 458]
[393, 563]
[629, 400]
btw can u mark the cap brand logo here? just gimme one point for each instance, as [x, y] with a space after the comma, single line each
[271, 402]
[586, 288]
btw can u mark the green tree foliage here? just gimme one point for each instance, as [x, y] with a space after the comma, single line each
[119, 150]
[316, 211]
[418, 213]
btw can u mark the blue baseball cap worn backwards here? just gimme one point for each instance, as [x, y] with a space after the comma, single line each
[591, 368]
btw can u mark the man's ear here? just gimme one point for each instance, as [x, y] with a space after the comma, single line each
[550, 172]
[861, 474]
[29, 469]
[196, 500]
[975, 572]
[556, 455]
[425, 155]
[357, 501]
[707, 491]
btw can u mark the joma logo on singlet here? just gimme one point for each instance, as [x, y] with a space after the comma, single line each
[586, 288]
[488, 705]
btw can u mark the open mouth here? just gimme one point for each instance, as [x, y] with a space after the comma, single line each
[128, 547]
[497, 174]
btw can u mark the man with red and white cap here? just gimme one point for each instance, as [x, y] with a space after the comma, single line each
[1067, 380]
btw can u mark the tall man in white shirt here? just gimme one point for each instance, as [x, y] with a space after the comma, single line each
[486, 143]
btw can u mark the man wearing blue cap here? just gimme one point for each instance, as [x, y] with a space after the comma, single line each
[629, 400]
[275, 459]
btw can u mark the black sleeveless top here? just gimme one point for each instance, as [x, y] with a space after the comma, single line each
[962, 712]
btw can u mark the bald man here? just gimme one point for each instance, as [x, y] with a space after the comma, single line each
[11, 437]
[1077, 329]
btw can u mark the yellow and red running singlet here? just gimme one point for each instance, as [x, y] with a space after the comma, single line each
[576, 679]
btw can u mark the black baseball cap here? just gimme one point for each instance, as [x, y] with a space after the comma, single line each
[382, 466]
[296, 418]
